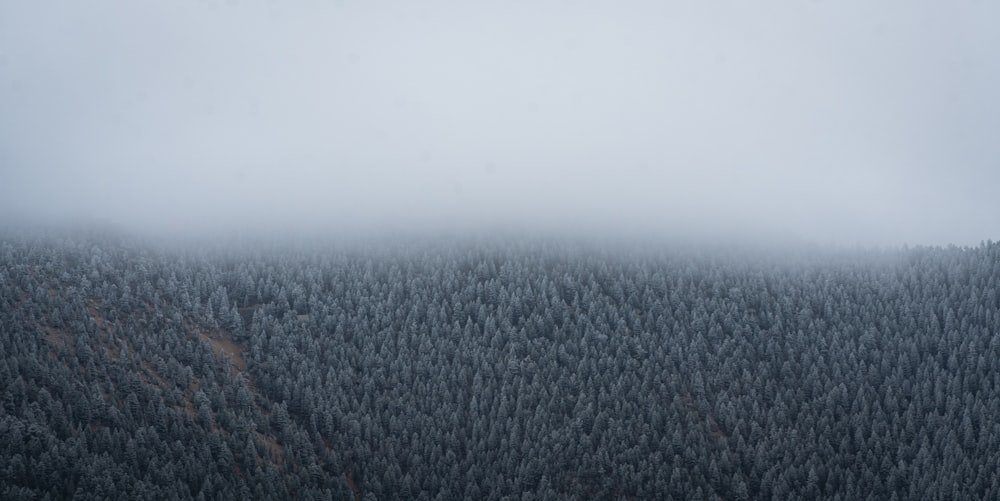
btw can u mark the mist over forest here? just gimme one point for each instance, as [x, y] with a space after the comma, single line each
[542, 250]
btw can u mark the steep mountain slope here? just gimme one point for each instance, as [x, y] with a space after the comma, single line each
[479, 371]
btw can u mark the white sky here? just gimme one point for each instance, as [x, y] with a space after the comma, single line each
[845, 121]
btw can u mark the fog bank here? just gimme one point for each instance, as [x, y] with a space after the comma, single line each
[867, 122]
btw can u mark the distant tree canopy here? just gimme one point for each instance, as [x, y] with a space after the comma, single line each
[526, 370]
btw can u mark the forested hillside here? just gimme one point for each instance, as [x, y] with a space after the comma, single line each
[534, 370]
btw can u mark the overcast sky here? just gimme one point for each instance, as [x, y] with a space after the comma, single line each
[845, 121]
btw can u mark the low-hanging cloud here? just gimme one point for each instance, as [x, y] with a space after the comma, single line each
[853, 121]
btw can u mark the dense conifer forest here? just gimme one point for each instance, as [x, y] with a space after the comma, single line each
[489, 370]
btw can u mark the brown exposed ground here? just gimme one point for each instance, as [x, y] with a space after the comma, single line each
[225, 346]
